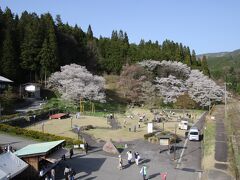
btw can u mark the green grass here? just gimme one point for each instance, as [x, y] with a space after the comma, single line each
[209, 138]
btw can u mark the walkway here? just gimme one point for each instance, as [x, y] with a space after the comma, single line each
[221, 148]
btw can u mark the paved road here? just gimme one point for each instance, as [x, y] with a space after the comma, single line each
[98, 165]
[15, 141]
[192, 154]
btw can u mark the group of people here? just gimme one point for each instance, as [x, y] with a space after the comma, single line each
[129, 158]
[137, 157]
[69, 173]
[7, 148]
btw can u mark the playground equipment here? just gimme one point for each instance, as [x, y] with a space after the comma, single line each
[82, 107]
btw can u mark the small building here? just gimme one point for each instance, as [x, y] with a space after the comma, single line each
[42, 156]
[4, 82]
[31, 90]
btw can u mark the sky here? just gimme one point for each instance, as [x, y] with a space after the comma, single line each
[203, 25]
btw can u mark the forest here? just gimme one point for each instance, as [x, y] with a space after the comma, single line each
[33, 46]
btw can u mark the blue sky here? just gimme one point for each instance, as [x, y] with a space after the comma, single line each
[203, 25]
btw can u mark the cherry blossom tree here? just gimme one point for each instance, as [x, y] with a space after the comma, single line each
[202, 89]
[174, 79]
[170, 88]
[74, 82]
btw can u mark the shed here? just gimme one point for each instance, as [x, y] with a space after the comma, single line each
[42, 156]
[4, 82]
[31, 90]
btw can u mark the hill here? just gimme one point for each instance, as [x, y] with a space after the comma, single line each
[32, 47]
[225, 66]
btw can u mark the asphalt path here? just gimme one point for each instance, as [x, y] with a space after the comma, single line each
[15, 141]
[191, 156]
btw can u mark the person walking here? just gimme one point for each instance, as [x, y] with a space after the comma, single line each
[52, 174]
[66, 172]
[120, 162]
[137, 158]
[72, 173]
[129, 154]
[86, 147]
[71, 153]
[143, 172]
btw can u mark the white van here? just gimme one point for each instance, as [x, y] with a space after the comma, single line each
[183, 125]
[193, 134]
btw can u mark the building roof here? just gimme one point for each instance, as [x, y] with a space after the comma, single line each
[11, 165]
[37, 149]
[3, 79]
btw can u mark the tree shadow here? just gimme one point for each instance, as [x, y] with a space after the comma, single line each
[144, 161]
[153, 175]
[80, 165]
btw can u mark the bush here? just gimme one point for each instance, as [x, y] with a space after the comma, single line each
[37, 135]
[146, 136]
[6, 117]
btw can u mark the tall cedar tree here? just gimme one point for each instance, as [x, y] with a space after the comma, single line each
[31, 47]
[8, 58]
[204, 66]
[89, 33]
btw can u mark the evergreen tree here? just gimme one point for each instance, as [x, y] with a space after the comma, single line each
[8, 58]
[1, 36]
[194, 58]
[204, 66]
[187, 56]
[31, 46]
[89, 33]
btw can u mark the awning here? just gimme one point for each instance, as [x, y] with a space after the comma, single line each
[56, 156]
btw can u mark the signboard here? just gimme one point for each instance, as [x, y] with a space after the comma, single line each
[150, 127]
[164, 142]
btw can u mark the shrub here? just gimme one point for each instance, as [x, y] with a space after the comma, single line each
[146, 136]
[37, 135]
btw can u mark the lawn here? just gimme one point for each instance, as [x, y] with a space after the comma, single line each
[209, 143]
[102, 129]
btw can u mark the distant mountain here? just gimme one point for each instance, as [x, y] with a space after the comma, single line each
[220, 54]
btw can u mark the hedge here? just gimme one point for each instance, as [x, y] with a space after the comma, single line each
[37, 135]
[6, 117]
[146, 136]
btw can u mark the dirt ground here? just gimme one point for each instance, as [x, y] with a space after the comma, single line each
[102, 129]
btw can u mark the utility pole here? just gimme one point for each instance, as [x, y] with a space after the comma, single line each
[225, 97]
[174, 157]
[43, 127]
[71, 121]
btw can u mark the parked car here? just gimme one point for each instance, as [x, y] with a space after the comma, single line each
[194, 134]
[183, 125]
